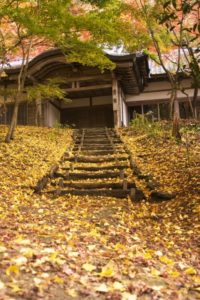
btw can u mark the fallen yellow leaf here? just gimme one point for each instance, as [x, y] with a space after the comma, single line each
[148, 255]
[107, 271]
[119, 246]
[58, 280]
[190, 271]
[166, 260]
[12, 269]
[15, 288]
[174, 273]
[155, 272]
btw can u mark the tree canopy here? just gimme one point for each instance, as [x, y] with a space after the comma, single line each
[80, 28]
[171, 38]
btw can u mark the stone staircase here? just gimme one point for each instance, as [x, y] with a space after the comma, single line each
[99, 166]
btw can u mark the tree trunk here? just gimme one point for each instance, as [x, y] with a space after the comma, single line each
[176, 117]
[10, 134]
[38, 113]
[176, 129]
[194, 102]
[176, 109]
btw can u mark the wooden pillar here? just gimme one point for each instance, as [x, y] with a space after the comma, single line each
[158, 106]
[38, 113]
[46, 113]
[122, 109]
[27, 113]
[116, 102]
[142, 106]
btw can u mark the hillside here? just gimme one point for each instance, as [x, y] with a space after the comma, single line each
[84, 247]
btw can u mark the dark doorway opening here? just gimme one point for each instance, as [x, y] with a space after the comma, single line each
[88, 117]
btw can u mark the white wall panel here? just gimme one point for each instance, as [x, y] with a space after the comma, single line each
[53, 115]
[164, 85]
[125, 114]
[102, 100]
[83, 102]
[156, 96]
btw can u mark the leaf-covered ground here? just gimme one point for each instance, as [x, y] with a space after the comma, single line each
[103, 248]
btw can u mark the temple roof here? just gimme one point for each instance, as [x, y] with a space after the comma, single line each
[131, 69]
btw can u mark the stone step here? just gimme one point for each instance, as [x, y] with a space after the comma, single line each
[88, 159]
[91, 142]
[99, 168]
[88, 147]
[97, 141]
[90, 137]
[96, 128]
[96, 152]
[99, 136]
[118, 193]
[100, 185]
[96, 135]
[76, 175]
[95, 131]
[98, 144]
[100, 152]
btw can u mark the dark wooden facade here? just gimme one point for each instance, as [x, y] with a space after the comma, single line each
[103, 92]
[98, 99]
[84, 117]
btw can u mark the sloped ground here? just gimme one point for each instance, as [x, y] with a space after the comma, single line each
[93, 248]
[175, 165]
[25, 160]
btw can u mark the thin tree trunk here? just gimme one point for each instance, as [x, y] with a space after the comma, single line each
[176, 128]
[38, 113]
[176, 119]
[21, 82]
[176, 109]
[194, 102]
[172, 104]
[5, 108]
[10, 134]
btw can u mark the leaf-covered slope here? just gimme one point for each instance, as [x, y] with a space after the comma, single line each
[92, 248]
[30, 155]
[175, 165]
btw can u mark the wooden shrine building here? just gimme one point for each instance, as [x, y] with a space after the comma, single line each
[97, 99]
